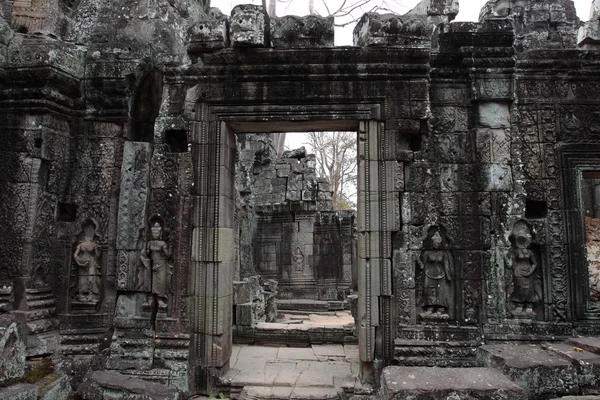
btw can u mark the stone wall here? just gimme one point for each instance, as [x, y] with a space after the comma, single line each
[288, 229]
[117, 135]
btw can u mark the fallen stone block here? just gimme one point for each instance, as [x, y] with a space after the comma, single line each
[100, 385]
[543, 373]
[54, 387]
[429, 383]
[12, 348]
[20, 391]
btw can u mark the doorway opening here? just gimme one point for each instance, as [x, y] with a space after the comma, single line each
[295, 234]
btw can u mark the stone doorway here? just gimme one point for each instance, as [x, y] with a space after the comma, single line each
[213, 261]
[294, 227]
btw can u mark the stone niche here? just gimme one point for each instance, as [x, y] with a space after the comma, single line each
[296, 237]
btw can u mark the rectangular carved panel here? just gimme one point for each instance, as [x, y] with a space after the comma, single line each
[133, 203]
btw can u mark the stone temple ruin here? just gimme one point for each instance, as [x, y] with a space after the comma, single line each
[134, 199]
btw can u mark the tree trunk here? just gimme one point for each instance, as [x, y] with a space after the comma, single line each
[273, 8]
[205, 4]
[311, 7]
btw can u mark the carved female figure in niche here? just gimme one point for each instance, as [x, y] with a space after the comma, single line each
[437, 265]
[86, 256]
[526, 281]
[298, 260]
[155, 256]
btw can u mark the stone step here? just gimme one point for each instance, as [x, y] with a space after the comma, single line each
[39, 304]
[40, 313]
[587, 365]
[293, 335]
[429, 353]
[538, 370]
[39, 294]
[95, 384]
[425, 383]
[310, 305]
[285, 393]
[591, 344]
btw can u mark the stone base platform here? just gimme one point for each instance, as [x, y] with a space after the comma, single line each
[437, 345]
[551, 370]
[424, 383]
[316, 372]
[426, 353]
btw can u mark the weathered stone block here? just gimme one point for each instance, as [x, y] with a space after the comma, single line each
[244, 315]
[587, 364]
[493, 146]
[20, 391]
[392, 30]
[291, 31]
[249, 26]
[493, 115]
[12, 348]
[54, 387]
[537, 370]
[243, 292]
[209, 34]
[422, 383]
[96, 384]
[496, 178]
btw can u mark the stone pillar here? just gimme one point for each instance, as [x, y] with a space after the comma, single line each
[212, 265]
[376, 205]
[135, 175]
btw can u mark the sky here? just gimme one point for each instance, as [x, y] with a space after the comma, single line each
[469, 11]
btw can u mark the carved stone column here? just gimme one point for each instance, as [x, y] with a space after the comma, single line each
[377, 203]
[212, 265]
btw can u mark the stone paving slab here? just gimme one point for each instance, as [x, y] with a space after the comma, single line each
[282, 393]
[257, 352]
[334, 350]
[292, 373]
[431, 383]
[591, 344]
[351, 352]
[296, 353]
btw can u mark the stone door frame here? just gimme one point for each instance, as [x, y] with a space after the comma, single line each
[576, 159]
[213, 129]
